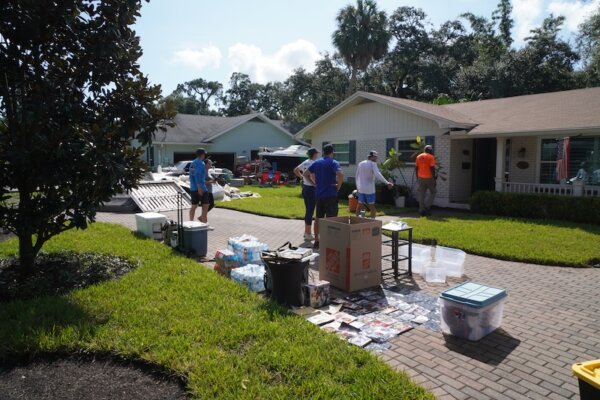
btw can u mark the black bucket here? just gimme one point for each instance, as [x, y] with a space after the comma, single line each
[284, 279]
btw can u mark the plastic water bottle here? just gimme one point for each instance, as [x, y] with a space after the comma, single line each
[361, 213]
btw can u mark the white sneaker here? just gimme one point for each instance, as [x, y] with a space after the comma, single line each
[308, 237]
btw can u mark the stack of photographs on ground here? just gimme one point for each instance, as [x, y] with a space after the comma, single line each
[370, 318]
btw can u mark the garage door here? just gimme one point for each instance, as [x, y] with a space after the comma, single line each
[222, 160]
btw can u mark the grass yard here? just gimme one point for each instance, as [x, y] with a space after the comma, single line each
[534, 241]
[285, 202]
[225, 341]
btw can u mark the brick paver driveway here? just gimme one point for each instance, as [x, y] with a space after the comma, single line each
[551, 320]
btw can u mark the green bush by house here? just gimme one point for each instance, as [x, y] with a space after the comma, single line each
[541, 206]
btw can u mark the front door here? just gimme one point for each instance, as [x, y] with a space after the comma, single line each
[484, 164]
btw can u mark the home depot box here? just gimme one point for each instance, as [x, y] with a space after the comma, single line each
[350, 252]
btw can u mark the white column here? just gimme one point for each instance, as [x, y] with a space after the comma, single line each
[578, 188]
[500, 152]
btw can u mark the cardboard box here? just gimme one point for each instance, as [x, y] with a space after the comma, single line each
[350, 252]
[316, 294]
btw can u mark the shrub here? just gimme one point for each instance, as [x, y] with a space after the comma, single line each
[525, 205]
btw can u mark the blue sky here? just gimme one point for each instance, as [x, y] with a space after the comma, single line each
[267, 39]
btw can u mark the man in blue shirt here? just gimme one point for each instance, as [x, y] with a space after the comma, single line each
[327, 177]
[198, 189]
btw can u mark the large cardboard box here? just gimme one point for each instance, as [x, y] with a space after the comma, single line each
[350, 252]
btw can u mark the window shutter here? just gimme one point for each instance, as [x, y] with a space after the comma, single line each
[430, 140]
[389, 144]
[352, 151]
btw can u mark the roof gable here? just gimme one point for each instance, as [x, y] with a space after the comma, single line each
[196, 129]
[444, 117]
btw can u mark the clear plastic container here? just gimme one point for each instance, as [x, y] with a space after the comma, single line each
[421, 257]
[471, 310]
[435, 273]
[452, 259]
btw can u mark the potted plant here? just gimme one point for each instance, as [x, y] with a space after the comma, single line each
[392, 170]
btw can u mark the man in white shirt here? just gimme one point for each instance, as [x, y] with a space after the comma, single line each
[366, 173]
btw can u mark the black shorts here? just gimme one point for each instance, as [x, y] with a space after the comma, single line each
[197, 199]
[327, 207]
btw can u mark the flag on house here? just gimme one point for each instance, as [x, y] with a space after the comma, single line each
[562, 159]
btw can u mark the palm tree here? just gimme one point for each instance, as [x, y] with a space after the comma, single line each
[362, 36]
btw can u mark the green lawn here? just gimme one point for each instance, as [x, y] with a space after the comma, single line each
[285, 202]
[225, 341]
[535, 241]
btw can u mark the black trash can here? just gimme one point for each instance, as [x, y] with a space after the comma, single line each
[284, 279]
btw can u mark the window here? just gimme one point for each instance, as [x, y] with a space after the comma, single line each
[342, 152]
[584, 160]
[405, 150]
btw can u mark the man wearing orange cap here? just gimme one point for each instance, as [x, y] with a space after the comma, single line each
[426, 176]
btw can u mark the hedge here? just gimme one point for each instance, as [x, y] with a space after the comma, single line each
[525, 205]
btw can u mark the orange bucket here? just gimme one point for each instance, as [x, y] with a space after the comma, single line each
[352, 204]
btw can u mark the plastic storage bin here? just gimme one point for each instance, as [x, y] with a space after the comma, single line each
[452, 259]
[435, 273]
[195, 237]
[250, 276]
[150, 224]
[471, 310]
[588, 374]
[421, 257]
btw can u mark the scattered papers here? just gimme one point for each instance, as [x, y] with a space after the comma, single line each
[371, 318]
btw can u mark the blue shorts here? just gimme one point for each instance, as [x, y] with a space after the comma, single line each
[366, 198]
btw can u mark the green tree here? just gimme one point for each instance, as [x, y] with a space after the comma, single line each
[588, 44]
[197, 95]
[71, 99]
[546, 63]
[242, 96]
[400, 72]
[505, 22]
[361, 37]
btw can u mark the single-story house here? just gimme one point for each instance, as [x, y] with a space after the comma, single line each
[509, 145]
[224, 138]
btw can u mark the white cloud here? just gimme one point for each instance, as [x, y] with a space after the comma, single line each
[575, 12]
[199, 58]
[263, 68]
[526, 14]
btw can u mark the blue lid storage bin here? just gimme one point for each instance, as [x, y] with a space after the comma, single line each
[471, 310]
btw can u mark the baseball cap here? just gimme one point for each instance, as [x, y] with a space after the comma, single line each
[373, 153]
[328, 149]
[312, 151]
[429, 148]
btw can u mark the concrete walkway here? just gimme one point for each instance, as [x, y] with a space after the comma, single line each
[551, 320]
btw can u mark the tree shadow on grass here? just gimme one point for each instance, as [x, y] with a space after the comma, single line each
[43, 321]
[491, 349]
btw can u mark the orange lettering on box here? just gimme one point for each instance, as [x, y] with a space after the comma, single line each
[332, 260]
[366, 260]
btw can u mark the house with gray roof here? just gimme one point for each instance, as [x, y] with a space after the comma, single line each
[224, 138]
[532, 144]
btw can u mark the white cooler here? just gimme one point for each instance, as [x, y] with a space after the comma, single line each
[150, 224]
[471, 310]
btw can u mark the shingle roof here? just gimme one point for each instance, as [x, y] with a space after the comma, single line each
[571, 109]
[196, 129]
